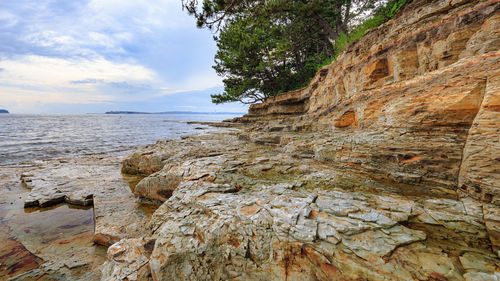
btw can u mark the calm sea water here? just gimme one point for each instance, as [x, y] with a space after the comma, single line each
[26, 137]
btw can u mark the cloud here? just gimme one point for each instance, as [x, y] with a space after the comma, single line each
[102, 51]
[188, 101]
[86, 81]
[61, 79]
[186, 106]
[44, 79]
[7, 20]
[141, 15]
[46, 71]
[194, 82]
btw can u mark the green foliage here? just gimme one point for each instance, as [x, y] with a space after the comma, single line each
[380, 16]
[277, 51]
[266, 47]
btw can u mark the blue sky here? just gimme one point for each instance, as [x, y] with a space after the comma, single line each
[59, 56]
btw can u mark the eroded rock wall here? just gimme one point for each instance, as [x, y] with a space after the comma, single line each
[414, 101]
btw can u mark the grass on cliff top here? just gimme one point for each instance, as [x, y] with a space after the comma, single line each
[382, 15]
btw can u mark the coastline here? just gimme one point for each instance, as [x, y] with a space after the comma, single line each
[258, 205]
[28, 137]
[84, 197]
[235, 186]
[54, 241]
[385, 167]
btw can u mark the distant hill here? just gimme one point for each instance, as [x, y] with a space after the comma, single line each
[171, 112]
[4, 111]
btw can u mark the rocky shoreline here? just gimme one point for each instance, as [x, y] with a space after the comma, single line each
[238, 207]
[55, 241]
[232, 211]
[74, 208]
[384, 168]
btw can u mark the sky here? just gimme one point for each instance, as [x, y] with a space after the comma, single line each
[91, 56]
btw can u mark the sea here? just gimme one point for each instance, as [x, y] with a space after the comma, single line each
[29, 137]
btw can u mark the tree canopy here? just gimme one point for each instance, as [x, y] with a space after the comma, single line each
[266, 47]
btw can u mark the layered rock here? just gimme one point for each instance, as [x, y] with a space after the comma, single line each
[384, 168]
[256, 212]
[415, 100]
[133, 256]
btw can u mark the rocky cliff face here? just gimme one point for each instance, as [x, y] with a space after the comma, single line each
[384, 168]
[415, 100]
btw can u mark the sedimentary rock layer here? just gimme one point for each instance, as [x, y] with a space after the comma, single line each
[95, 181]
[415, 100]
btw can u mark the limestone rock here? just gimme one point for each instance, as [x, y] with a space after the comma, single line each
[128, 260]
[414, 101]
[383, 168]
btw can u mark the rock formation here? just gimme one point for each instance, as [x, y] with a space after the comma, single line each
[57, 241]
[407, 99]
[386, 167]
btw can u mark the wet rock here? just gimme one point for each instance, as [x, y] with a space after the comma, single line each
[89, 181]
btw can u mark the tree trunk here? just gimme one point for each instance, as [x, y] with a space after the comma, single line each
[327, 33]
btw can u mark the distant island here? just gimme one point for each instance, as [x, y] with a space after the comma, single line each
[171, 112]
[4, 111]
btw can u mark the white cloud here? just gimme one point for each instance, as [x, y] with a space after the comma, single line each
[143, 15]
[44, 79]
[99, 23]
[99, 51]
[50, 38]
[18, 95]
[45, 71]
[82, 80]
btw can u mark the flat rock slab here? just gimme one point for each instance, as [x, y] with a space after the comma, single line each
[53, 243]
[91, 180]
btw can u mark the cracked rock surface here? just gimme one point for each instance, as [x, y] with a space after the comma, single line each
[71, 205]
[93, 180]
[242, 214]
